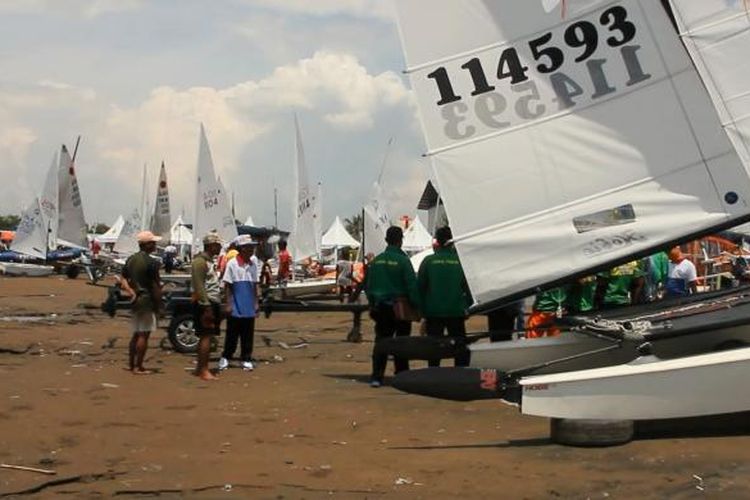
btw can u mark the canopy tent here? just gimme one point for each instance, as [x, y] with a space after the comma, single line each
[416, 237]
[179, 234]
[338, 236]
[112, 233]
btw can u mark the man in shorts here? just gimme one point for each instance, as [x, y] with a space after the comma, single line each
[142, 283]
[206, 301]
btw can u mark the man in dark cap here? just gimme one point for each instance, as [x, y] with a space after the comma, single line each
[390, 282]
[443, 292]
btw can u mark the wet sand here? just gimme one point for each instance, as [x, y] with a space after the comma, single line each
[305, 425]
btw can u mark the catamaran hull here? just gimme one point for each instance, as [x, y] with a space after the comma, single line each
[512, 355]
[646, 388]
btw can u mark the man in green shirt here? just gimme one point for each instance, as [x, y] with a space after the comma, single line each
[620, 286]
[444, 293]
[142, 283]
[206, 301]
[390, 277]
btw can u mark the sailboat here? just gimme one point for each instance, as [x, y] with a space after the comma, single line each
[212, 210]
[564, 143]
[71, 230]
[31, 240]
[306, 231]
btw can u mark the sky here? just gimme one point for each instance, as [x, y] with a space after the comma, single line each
[135, 78]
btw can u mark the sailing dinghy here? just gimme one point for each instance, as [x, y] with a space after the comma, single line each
[564, 143]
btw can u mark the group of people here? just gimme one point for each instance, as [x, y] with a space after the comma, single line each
[661, 275]
[228, 291]
[395, 293]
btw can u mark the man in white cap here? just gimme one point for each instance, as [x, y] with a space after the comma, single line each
[241, 305]
[206, 301]
[142, 282]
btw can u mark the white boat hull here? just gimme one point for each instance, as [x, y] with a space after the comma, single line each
[645, 389]
[301, 288]
[31, 270]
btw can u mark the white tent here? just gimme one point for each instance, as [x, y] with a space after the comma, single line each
[112, 233]
[416, 237]
[338, 237]
[179, 234]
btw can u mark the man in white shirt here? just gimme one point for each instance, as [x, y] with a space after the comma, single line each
[241, 302]
[682, 277]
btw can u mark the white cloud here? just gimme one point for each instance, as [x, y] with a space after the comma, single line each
[89, 9]
[380, 9]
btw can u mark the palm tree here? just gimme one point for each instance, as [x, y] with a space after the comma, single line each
[353, 226]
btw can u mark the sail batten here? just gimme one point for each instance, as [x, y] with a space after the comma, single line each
[559, 147]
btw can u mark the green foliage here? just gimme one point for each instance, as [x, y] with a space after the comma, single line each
[354, 226]
[9, 222]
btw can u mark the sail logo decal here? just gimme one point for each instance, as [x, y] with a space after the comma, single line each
[593, 58]
[536, 387]
[612, 243]
[624, 214]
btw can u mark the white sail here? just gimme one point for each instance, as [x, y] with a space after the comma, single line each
[318, 218]
[304, 239]
[564, 145]
[376, 221]
[126, 243]
[212, 212]
[31, 234]
[50, 204]
[249, 221]
[717, 35]
[113, 233]
[71, 229]
[162, 216]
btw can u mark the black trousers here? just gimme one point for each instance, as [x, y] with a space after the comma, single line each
[242, 329]
[386, 326]
[456, 327]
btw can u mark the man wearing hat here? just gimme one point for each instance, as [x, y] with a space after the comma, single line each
[241, 305]
[390, 278]
[142, 282]
[206, 301]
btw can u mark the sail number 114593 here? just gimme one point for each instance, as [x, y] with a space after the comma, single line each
[566, 66]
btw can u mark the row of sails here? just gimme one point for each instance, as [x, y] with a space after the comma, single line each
[55, 217]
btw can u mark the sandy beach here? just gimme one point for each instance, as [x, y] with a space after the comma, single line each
[304, 424]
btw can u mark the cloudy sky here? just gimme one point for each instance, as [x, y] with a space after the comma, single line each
[136, 77]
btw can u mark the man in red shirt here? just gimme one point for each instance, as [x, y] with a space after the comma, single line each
[285, 263]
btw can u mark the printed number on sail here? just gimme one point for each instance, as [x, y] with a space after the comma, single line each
[541, 76]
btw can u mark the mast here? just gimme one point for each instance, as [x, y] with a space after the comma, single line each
[275, 208]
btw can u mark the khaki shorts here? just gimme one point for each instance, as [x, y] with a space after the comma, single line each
[144, 321]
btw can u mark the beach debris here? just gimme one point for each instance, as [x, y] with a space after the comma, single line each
[403, 480]
[266, 340]
[699, 486]
[227, 487]
[110, 343]
[277, 359]
[107, 385]
[28, 469]
[286, 346]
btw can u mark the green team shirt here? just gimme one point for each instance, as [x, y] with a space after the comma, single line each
[391, 275]
[619, 283]
[551, 300]
[581, 295]
[142, 273]
[442, 285]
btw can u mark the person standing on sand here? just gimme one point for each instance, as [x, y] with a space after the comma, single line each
[142, 283]
[285, 264]
[444, 293]
[206, 301]
[241, 304]
[390, 277]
